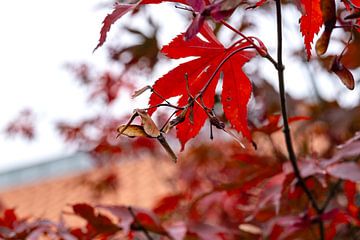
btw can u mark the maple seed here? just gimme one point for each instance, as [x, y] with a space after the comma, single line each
[343, 73]
[322, 43]
[149, 126]
[148, 129]
[132, 131]
[140, 91]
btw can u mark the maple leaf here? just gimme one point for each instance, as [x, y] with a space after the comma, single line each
[271, 192]
[260, 3]
[272, 123]
[310, 22]
[203, 9]
[213, 57]
[120, 9]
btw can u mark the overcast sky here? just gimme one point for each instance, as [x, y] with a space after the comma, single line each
[38, 38]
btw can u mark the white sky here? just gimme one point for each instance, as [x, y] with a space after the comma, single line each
[38, 37]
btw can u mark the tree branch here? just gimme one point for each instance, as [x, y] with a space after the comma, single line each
[331, 195]
[286, 129]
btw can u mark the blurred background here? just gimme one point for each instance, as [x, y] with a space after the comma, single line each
[61, 103]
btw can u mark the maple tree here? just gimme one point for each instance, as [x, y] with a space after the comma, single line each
[300, 189]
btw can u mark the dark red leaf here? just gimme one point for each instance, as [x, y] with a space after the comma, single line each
[260, 3]
[168, 204]
[123, 215]
[8, 219]
[145, 217]
[84, 210]
[119, 11]
[97, 223]
[272, 123]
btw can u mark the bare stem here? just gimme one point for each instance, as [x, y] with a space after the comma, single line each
[258, 49]
[286, 129]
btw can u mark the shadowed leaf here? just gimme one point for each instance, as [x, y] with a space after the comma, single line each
[347, 171]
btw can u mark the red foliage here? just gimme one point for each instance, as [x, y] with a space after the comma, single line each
[223, 191]
[23, 125]
[213, 58]
[310, 22]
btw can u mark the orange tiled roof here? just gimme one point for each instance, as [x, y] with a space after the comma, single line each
[141, 183]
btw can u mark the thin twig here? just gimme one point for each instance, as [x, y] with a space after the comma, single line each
[218, 68]
[258, 49]
[141, 227]
[164, 105]
[159, 95]
[286, 129]
[331, 195]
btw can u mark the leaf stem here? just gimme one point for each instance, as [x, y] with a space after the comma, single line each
[258, 49]
[217, 70]
[292, 157]
[164, 105]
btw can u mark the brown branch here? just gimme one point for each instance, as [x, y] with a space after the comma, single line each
[286, 129]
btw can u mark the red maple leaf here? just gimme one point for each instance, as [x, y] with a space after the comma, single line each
[120, 9]
[212, 58]
[310, 22]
